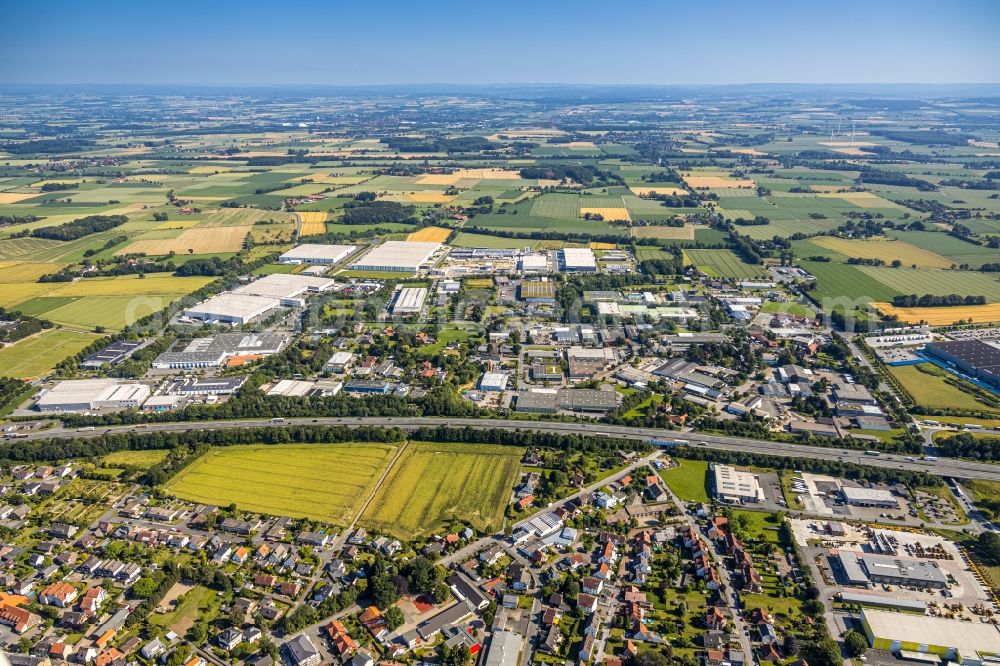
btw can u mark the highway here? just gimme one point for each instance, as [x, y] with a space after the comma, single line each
[961, 469]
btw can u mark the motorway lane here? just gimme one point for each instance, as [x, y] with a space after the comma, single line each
[945, 467]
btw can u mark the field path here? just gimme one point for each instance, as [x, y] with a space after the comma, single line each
[338, 543]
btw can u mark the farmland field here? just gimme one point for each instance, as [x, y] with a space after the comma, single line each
[943, 316]
[135, 458]
[37, 355]
[430, 235]
[313, 223]
[886, 250]
[432, 484]
[288, 480]
[722, 263]
[932, 387]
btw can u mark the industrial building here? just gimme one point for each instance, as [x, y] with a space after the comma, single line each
[735, 486]
[577, 260]
[289, 290]
[408, 301]
[869, 497]
[231, 309]
[293, 388]
[977, 358]
[397, 257]
[85, 395]
[493, 381]
[909, 634]
[505, 648]
[212, 352]
[549, 401]
[534, 263]
[113, 354]
[213, 386]
[861, 569]
[314, 253]
[537, 291]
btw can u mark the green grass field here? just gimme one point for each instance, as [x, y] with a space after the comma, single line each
[932, 387]
[327, 482]
[36, 356]
[135, 458]
[688, 480]
[433, 484]
[723, 263]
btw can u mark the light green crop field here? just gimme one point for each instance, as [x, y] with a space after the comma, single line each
[723, 263]
[36, 356]
[433, 484]
[135, 458]
[932, 387]
[327, 482]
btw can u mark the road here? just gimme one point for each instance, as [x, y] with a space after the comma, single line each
[961, 469]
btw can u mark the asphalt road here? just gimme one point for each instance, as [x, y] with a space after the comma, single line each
[961, 469]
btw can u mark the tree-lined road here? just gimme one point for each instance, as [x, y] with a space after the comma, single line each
[962, 469]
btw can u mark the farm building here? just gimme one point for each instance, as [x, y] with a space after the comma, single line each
[735, 486]
[113, 354]
[232, 309]
[578, 260]
[314, 253]
[408, 301]
[976, 358]
[967, 643]
[397, 257]
[84, 395]
[869, 497]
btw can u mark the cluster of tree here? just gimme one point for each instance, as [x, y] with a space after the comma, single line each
[581, 173]
[24, 325]
[46, 146]
[964, 445]
[744, 247]
[375, 212]
[970, 184]
[152, 593]
[925, 137]
[17, 219]
[458, 144]
[875, 176]
[305, 614]
[569, 443]
[757, 221]
[57, 187]
[11, 391]
[675, 200]
[673, 266]
[934, 301]
[202, 266]
[84, 226]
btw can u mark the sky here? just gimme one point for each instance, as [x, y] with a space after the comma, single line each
[221, 42]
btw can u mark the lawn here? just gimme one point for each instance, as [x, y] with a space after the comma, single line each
[327, 482]
[195, 602]
[135, 458]
[36, 356]
[433, 484]
[689, 480]
[934, 388]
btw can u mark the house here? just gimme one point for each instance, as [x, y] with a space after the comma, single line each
[302, 652]
[92, 600]
[230, 638]
[58, 594]
[342, 642]
[586, 602]
[592, 585]
[714, 619]
[372, 620]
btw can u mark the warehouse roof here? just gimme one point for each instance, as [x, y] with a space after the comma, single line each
[867, 494]
[234, 306]
[278, 285]
[399, 254]
[968, 638]
[309, 251]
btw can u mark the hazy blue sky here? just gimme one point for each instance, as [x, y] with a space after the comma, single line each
[582, 41]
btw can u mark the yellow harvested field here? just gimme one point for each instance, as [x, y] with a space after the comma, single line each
[210, 169]
[313, 222]
[603, 246]
[14, 197]
[576, 144]
[26, 271]
[668, 191]
[979, 314]
[748, 151]
[610, 214]
[473, 174]
[717, 182]
[884, 249]
[669, 233]
[430, 235]
[862, 199]
[192, 241]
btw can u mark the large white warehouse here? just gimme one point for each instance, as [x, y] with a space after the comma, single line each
[397, 257]
[314, 253]
[85, 395]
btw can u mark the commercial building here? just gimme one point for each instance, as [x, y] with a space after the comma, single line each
[293, 388]
[493, 381]
[214, 386]
[371, 386]
[864, 568]
[869, 497]
[967, 643]
[212, 352]
[84, 395]
[735, 486]
[976, 358]
[397, 257]
[534, 263]
[548, 401]
[505, 647]
[340, 361]
[314, 253]
[289, 290]
[537, 291]
[113, 354]
[577, 260]
[408, 301]
[232, 309]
